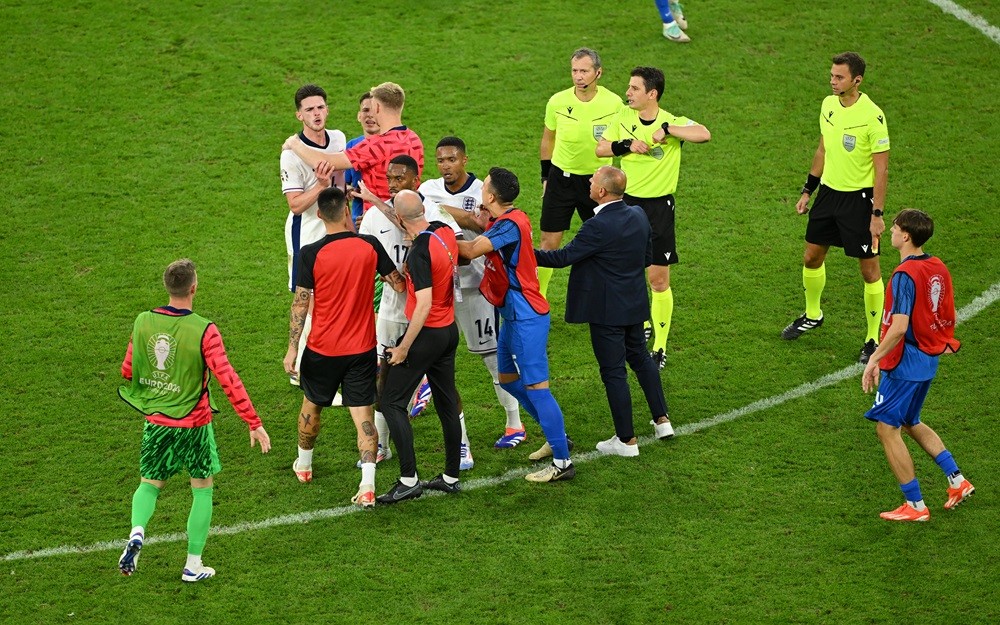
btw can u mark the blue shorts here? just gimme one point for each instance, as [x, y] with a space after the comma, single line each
[898, 402]
[521, 348]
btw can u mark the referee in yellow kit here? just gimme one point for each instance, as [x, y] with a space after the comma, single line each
[851, 169]
[575, 119]
[649, 141]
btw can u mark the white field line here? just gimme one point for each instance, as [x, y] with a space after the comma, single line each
[970, 310]
[969, 18]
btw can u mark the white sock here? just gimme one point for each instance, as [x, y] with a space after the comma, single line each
[955, 480]
[305, 458]
[193, 563]
[562, 464]
[508, 401]
[383, 429]
[367, 473]
[919, 506]
[408, 481]
[139, 531]
[465, 435]
[448, 479]
[302, 342]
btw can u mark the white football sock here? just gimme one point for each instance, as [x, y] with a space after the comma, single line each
[193, 563]
[383, 429]
[305, 458]
[367, 473]
[465, 435]
[508, 401]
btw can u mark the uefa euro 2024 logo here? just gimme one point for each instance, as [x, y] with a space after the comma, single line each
[161, 350]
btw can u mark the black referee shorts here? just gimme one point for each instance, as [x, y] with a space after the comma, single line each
[320, 376]
[660, 212]
[842, 219]
[565, 194]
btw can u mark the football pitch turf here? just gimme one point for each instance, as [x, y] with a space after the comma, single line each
[133, 135]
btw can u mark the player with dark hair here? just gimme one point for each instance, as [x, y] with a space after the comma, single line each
[510, 283]
[301, 184]
[575, 119]
[851, 170]
[169, 385]
[918, 325]
[335, 280]
[649, 140]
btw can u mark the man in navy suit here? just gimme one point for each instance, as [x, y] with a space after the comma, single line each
[607, 289]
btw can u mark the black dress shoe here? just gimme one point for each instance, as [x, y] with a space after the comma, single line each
[400, 492]
[438, 483]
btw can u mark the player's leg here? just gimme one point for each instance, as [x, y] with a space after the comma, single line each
[890, 413]
[202, 459]
[528, 346]
[479, 322]
[157, 463]
[672, 29]
[387, 334]
[359, 393]
[959, 488]
[648, 375]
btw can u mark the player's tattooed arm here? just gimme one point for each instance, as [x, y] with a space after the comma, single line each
[297, 318]
[395, 281]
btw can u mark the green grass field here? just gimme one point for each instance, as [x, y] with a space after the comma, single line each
[133, 135]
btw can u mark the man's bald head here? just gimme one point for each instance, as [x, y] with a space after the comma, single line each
[607, 185]
[612, 179]
[408, 206]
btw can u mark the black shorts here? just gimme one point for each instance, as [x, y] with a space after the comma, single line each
[320, 376]
[565, 194]
[842, 219]
[660, 212]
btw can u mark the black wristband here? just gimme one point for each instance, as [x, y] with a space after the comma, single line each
[546, 166]
[811, 183]
[620, 148]
[666, 128]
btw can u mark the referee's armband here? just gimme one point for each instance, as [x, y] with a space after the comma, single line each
[546, 166]
[620, 148]
[811, 183]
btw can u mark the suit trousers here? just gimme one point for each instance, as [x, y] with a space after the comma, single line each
[614, 346]
[432, 354]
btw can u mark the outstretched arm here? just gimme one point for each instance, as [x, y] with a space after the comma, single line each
[313, 157]
[214, 353]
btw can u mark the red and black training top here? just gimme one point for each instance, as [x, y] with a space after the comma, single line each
[431, 264]
[340, 270]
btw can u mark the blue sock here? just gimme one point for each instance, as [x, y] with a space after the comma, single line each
[663, 6]
[550, 417]
[947, 463]
[520, 393]
[911, 490]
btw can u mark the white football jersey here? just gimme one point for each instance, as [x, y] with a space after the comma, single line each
[393, 305]
[466, 198]
[296, 176]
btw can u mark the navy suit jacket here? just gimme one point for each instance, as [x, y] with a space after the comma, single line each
[609, 256]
